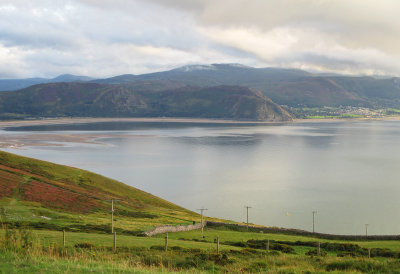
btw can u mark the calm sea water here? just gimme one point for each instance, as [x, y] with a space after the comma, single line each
[349, 172]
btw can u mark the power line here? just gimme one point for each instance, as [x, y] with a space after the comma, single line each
[202, 226]
[313, 220]
[247, 210]
[112, 213]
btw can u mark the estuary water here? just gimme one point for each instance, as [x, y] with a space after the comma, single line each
[349, 172]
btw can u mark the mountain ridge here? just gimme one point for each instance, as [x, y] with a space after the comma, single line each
[290, 87]
[146, 99]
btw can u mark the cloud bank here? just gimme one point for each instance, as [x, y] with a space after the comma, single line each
[103, 38]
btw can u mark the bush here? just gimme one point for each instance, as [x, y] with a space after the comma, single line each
[84, 245]
[282, 247]
[157, 247]
[314, 252]
[348, 254]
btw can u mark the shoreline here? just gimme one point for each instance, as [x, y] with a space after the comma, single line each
[84, 120]
[364, 119]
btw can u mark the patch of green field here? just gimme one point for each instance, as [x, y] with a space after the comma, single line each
[235, 236]
[48, 238]
[320, 117]
[392, 111]
[350, 115]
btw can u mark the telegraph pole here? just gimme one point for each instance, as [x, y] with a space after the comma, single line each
[313, 221]
[202, 226]
[366, 230]
[112, 214]
[247, 210]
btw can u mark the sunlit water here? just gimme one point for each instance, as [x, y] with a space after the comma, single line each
[347, 171]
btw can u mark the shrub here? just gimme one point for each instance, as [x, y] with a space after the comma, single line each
[314, 252]
[84, 245]
[157, 247]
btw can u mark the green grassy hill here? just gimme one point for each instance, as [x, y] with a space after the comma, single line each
[57, 197]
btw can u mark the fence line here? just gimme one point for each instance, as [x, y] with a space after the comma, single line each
[292, 231]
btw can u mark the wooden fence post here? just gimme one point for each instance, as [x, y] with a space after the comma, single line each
[217, 245]
[369, 253]
[268, 246]
[166, 241]
[115, 241]
[319, 248]
[64, 239]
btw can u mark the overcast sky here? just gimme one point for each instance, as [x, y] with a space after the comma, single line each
[104, 38]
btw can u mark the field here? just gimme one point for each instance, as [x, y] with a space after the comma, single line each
[34, 251]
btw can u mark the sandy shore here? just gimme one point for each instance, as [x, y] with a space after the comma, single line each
[17, 140]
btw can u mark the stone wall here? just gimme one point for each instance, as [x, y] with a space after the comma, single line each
[170, 228]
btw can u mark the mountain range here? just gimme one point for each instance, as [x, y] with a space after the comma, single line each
[229, 91]
[291, 87]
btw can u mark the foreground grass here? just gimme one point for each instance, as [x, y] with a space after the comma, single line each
[184, 261]
[16, 263]
[27, 251]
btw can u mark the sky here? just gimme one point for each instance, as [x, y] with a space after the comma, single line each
[102, 38]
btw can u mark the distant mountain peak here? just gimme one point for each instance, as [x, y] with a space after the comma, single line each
[233, 65]
[70, 78]
[196, 67]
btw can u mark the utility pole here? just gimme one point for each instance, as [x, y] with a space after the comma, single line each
[112, 213]
[202, 226]
[247, 209]
[366, 230]
[313, 220]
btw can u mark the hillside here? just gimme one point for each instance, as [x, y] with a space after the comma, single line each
[52, 196]
[143, 99]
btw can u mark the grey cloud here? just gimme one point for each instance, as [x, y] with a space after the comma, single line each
[355, 23]
[105, 38]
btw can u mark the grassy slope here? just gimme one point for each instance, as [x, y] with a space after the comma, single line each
[75, 198]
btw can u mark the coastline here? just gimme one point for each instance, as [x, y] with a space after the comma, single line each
[84, 120]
